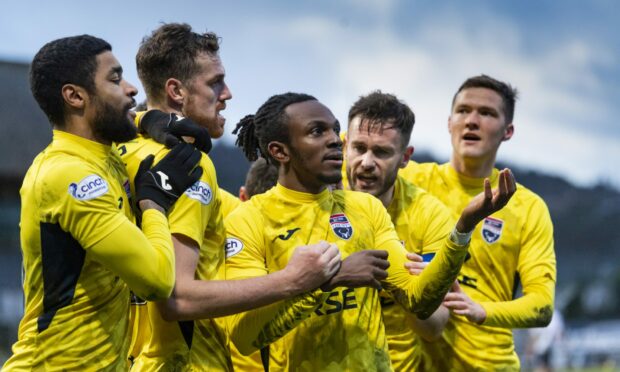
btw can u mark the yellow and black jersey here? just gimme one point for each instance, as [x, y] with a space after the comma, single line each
[75, 197]
[422, 223]
[200, 344]
[343, 329]
[513, 246]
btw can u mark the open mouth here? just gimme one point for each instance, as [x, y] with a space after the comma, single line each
[365, 180]
[471, 137]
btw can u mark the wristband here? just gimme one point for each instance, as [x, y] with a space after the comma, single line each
[460, 238]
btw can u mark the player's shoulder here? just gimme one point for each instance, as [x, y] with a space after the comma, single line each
[229, 202]
[251, 209]
[60, 168]
[420, 173]
[64, 175]
[416, 200]
[524, 197]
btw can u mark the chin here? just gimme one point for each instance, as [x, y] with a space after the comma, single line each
[215, 132]
[331, 178]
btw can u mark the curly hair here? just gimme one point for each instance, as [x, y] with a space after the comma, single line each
[170, 52]
[69, 60]
[254, 132]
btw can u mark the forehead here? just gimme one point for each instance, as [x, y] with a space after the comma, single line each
[362, 130]
[209, 65]
[479, 97]
[302, 113]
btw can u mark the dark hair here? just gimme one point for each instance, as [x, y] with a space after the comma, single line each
[381, 109]
[70, 60]
[508, 93]
[261, 177]
[254, 132]
[170, 52]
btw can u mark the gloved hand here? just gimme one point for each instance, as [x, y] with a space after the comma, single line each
[168, 129]
[170, 177]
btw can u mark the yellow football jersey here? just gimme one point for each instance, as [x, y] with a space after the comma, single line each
[75, 194]
[253, 362]
[514, 245]
[192, 345]
[343, 329]
[422, 223]
[229, 202]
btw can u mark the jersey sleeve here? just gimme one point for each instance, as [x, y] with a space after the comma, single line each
[537, 272]
[421, 294]
[90, 210]
[191, 213]
[143, 259]
[246, 256]
[92, 215]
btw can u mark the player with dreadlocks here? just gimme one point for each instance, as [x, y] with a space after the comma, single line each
[338, 326]
[183, 334]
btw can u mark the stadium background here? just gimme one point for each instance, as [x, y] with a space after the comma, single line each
[563, 57]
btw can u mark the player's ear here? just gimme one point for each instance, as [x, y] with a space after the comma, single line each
[243, 194]
[175, 91]
[508, 132]
[406, 156]
[74, 96]
[279, 151]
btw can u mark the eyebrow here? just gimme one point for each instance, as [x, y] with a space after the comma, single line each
[116, 69]
[322, 122]
[483, 107]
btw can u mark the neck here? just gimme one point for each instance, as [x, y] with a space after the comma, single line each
[293, 181]
[166, 107]
[386, 197]
[473, 167]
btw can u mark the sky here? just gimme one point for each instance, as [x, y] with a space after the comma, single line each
[562, 56]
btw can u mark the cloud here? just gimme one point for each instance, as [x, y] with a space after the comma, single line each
[561, 94]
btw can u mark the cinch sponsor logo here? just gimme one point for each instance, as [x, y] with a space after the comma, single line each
[88, 188]
[232, 247]
[200, 191]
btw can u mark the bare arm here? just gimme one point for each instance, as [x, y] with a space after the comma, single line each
[197, 299]
[431, 329]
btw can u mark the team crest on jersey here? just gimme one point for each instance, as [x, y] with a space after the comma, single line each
[341, 226]
[200, 191]
[88, 188]
[233, 246]
[492, 229]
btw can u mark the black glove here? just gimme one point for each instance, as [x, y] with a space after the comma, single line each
[168, 129]
[168, 179]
